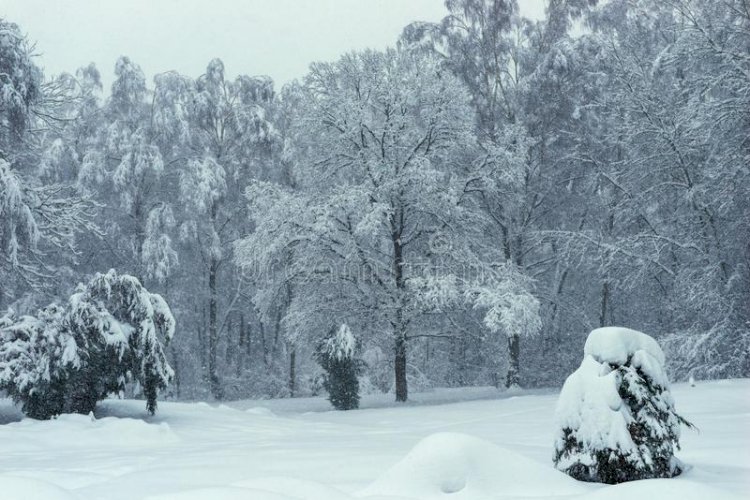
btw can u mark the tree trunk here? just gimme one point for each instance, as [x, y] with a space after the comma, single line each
[399, 363]
[241, 340]
[177, 370]
[248, 342]
[507, 251]
[514, 350]
[264, 344]
[554, 317]
[213, 327]
[213, 333]
[202, 328]
[229, 351]
[400, 366]
[140, 239]
[604, 305]
[292, 376]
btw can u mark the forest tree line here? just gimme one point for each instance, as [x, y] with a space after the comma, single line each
[471, 202]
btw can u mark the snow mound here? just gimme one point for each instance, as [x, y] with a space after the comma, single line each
[660, 488]
[463, 467]
[22, 488]
[261, 411]
[74, 431]
[119, 432]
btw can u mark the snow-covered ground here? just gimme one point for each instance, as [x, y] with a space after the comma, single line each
[495, 446]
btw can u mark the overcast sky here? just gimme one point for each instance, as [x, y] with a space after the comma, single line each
[279, 38]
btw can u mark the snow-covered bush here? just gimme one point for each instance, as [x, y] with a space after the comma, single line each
[34, 355]
[67, 359]
[616, 417]
[337, 355]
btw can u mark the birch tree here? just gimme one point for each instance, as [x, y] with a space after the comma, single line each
[229, 134]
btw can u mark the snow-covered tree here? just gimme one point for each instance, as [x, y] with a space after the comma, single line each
[615, 415]
[112, 332]
[38, 213]
[125, 164]
[512, 73]
[492, 177]
[510, 309]
[376, 135]
[658, 183]
[230, 135]
[125, 328]
[337, 355]
[21, 85]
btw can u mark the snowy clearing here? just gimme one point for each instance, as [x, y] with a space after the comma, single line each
[497, 446]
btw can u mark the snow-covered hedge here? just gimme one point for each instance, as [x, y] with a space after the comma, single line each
[616, 417]
[65, 359]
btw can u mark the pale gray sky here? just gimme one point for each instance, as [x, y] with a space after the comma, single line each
[279, 38]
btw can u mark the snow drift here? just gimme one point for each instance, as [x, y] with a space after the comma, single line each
[81, 432]
[464, 467]
[221, 453]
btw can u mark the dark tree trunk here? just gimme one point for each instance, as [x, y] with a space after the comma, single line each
[604, 305]
[264, 344]
[399, 323]
[177, 370]
[402, 391]
[604, 310]
[213, 327]
[140, 238]
[507, 251]
[292, 375]
[202, 330]
[248, 341]
[229, 351]
[514, 350]
[213, 332]
[241, 340]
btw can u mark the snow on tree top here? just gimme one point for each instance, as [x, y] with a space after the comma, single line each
[615, 345]
[342, 345]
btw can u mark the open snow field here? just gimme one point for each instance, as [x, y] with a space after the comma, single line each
[496, 446]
